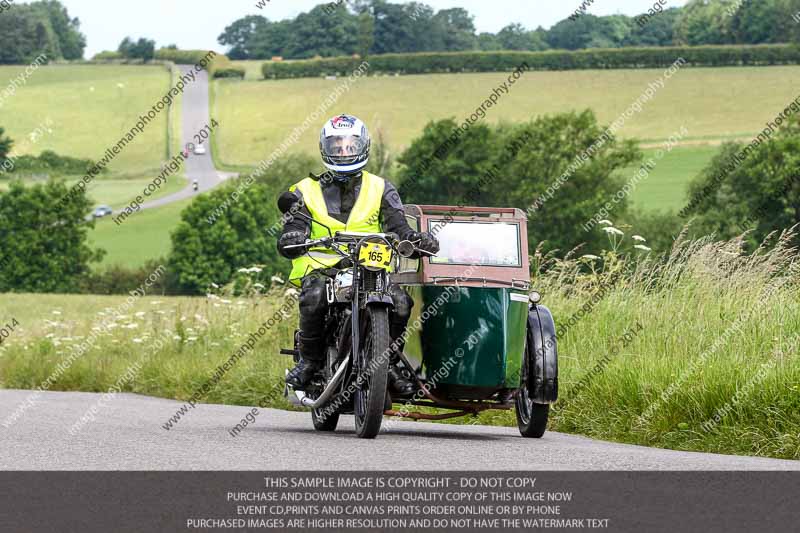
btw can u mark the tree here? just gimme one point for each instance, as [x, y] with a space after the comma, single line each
[516, 37]
[589, 31]
[44, 248]
[243, 236]
[489, 42]
[240, 35]
[319, 33]
[456, 30]
[5, 146]
[403, 27]
[26, 35]
[143, 49]
[272, 40]
[71, 41]
[366, 33]
[761, 193]
[705, 22]
[513, 165]
[658, 31]
[764, 21]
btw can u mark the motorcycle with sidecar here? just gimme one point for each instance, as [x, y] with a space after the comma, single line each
[478, 337]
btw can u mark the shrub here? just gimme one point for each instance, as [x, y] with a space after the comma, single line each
[108, 55]
[118, 279]
[229, 72]
[49, 162]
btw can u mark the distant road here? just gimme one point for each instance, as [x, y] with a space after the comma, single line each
[128, 435]
[195, 115]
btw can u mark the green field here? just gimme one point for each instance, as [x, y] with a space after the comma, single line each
[118, 193]
[90, 111]
[252, 69]
[144, 236]
[665, 188]
[256, 116]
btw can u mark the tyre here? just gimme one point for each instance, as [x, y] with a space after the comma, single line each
[531, 416]
[370, 396]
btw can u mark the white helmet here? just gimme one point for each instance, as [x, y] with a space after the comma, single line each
[344, 145]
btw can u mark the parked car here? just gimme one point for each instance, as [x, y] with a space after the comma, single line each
[101, 211]
[200, 149]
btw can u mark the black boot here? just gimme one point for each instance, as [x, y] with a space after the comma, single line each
[301, 375]
[311, 362]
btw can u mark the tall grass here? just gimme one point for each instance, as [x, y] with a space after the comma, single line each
[710, 361]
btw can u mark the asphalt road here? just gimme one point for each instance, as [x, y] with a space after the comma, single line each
[128, 435]
[195, 116]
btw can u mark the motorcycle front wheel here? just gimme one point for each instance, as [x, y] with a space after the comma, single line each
[371, 385]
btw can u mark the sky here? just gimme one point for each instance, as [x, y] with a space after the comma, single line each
[196, 24]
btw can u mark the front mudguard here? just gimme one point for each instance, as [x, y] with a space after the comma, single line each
[379, 299]
[542, 351]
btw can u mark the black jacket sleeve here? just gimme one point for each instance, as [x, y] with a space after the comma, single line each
[392, 214]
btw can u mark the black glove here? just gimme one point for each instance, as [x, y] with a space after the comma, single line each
[291, 238]
[427, 242]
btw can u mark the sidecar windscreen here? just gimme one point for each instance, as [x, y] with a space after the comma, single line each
[476, 243]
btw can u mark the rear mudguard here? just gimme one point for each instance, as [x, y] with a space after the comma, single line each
[543, 351]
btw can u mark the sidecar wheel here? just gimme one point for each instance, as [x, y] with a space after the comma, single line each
[323, 422]
[532, 417]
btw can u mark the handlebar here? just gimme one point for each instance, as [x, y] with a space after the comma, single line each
[404, 248]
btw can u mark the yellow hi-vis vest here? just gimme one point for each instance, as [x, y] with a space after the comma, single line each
[365, 217]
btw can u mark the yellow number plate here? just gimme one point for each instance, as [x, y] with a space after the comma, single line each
[375, 255]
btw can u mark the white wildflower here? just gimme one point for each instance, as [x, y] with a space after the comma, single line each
[590, 257]
[642, 247]
[606, 222]
[137, 341]
[277, 279]
[639, 238]
[613, 231]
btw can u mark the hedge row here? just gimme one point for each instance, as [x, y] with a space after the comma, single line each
[230, 72]
[616, 58]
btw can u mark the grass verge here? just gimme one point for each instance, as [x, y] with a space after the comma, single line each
[718, 333]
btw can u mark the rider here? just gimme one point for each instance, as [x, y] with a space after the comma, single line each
[345, 198]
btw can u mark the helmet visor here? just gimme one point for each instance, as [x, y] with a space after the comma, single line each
[344, 147]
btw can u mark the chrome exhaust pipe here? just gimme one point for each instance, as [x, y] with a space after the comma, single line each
[302, 400]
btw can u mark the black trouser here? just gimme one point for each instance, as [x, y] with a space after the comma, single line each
[314, 306]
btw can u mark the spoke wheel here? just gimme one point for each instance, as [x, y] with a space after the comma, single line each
[373, 365]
